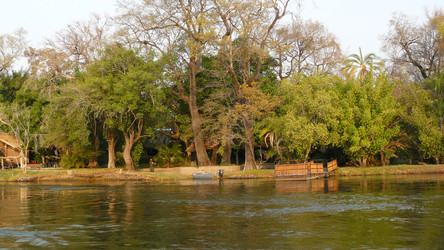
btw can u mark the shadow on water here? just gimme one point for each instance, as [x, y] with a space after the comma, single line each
[352, 212]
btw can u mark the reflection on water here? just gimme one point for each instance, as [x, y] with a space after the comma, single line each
[363, 212]
[312, 186]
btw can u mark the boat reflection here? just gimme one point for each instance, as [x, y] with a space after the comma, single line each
[323, 185]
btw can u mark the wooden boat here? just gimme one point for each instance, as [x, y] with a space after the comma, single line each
[304, 171]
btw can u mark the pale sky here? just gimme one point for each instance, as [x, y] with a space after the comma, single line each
[356, 23]
[359, 23]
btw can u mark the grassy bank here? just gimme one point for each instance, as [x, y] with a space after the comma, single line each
[104, 174]
[17, 175]
[390, 170]
[250, 174]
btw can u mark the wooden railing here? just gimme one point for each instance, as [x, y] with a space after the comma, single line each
[292, 169]
[317, 168]
[332, 165]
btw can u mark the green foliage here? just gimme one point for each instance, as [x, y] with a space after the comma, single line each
[119, 159]
[10, 84]
[435, 88]
[369, 116]
[137, 152]
[310, 114]
[431, 142]
[66, 120]
[169, 156]
[425, 113]
[322, 111]
[123, 90]
[121, 83]
[20, 110]
[74, 160]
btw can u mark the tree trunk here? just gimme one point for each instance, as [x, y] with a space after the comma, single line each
[214, 157]
[111, 150]
[382, 158]
[129, 164]
[129, 143]
[196, 121]
[226, 159]
[93, 160]
[364, 162]
[199, 142]
[307, 152]
[250, 162]
[279, 151]
[23, 161]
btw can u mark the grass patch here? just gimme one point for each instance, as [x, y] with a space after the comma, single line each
[87, 174]
[15, 174]
[256, 173]
[389, 170]
[168, 176]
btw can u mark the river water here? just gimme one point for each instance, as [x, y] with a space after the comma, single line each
[337, 213]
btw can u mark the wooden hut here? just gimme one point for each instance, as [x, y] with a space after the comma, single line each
[9, 150]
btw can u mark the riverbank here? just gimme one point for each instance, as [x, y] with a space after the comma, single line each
[17, 175]
[390, 170]
[35, 175]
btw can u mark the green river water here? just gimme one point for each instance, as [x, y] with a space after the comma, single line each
[336, 213]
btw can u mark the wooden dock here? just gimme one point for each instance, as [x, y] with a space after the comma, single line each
[304, 171]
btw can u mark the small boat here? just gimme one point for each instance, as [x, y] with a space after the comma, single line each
[304, 171]
[204, 176]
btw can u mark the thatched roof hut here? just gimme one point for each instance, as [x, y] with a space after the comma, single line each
[9, 149]
[11, 141]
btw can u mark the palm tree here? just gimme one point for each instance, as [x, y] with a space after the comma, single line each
[359, 66]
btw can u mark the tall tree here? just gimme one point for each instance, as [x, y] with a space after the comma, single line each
[369, 116]
[247, 27]
[63, 57]
[434, 85]
[310, 117]
[69, 52]
[425, 113]
[181, 30]
[66, 125]
[82, 41]
[217, 101]
[305, 47]
[125, 89]
[11, 48]
[416, 48]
